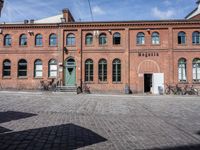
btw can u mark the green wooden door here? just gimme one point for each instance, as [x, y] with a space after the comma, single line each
[70, 73]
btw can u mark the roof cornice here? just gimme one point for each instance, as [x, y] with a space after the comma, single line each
[105, 24]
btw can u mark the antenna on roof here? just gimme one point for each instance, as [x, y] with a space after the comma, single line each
[91, 10]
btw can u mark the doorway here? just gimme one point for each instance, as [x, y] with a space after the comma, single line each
[147, 83]
[70, 72]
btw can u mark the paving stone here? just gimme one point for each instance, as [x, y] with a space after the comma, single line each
[61, 121]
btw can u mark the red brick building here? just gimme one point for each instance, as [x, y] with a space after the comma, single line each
[107, 56]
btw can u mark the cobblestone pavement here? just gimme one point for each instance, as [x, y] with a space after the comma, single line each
[57, 121]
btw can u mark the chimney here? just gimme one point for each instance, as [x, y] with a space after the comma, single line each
[26, 21]
[67, 16]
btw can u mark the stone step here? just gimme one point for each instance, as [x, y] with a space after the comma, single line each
[66, 89]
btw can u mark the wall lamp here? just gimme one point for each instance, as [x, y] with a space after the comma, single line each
[31, 33]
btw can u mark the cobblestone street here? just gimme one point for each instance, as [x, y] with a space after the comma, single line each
[45, 121]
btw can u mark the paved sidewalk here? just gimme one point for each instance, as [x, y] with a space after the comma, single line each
[45, 121]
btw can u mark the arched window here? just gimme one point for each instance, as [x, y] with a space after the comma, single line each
[116, 70]
[53, 68]
[71, 40]
[6, 68]
[53, 40]
[7, 40]
[181, 38]
[89, 70]
[23, 40]
[182, 70]
[22, 68]
[102, 70]
[38, 68]
[155, 37]
[102, 39]
[38, 40]
[140, 38]
[196, 70]
[196, 37]
[117, 38]
[89, 39]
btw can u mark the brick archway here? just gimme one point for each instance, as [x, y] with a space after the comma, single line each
[148, 66]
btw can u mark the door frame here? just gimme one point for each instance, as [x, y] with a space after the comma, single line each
[66, 68]
[144, 82]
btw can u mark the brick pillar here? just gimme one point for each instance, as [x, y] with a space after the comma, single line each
[169, 78]
[127, 58]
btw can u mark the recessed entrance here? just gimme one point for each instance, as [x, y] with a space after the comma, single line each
[70, 72]
[147, 83]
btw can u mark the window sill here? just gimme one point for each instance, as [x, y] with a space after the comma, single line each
[7, 77]
[182, 44]
[196, 82]
[70, 45]
[140, 44]
[23, 78]
[183, 82]
[52, 77]
[39, 46]
[103, 45]
[38, 78]
[196, 44]
[89, 45]
[103, 82]
[7, 46]
[117, 83]
[53, 45]
[89, 82]
[117, 45]
[155, 44]
[23, 45]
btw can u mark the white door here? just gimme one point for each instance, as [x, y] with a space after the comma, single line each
[158, 83]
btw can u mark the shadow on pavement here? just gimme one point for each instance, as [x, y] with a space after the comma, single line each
[183, 147]
[13, 115]
[2, 130]
[61, 137]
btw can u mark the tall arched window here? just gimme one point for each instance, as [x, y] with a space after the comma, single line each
[102, 39]
[7, 40]
[53, 40]
[155, 37]
[38, 40]
[6, 68]
[38, 68]
[102, 70]
[196, 37]
[140, 38]
[181, 38]
[196, 70]
[71, 40]
[182, 70]
[22, 68]
[89, 39]
[116, 70]
[53, 68]
[89, 70]
[23, 40]
[117, 39]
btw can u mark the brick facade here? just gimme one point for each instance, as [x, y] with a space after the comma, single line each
[136, 60]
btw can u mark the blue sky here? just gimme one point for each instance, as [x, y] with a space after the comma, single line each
[103, 10]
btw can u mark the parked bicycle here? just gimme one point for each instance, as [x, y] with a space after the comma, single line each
[47, 85]
[175, 90]
[190, 90]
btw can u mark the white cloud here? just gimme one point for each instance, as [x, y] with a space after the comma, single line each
[167, 2]
[98, 10]
[168, 14]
